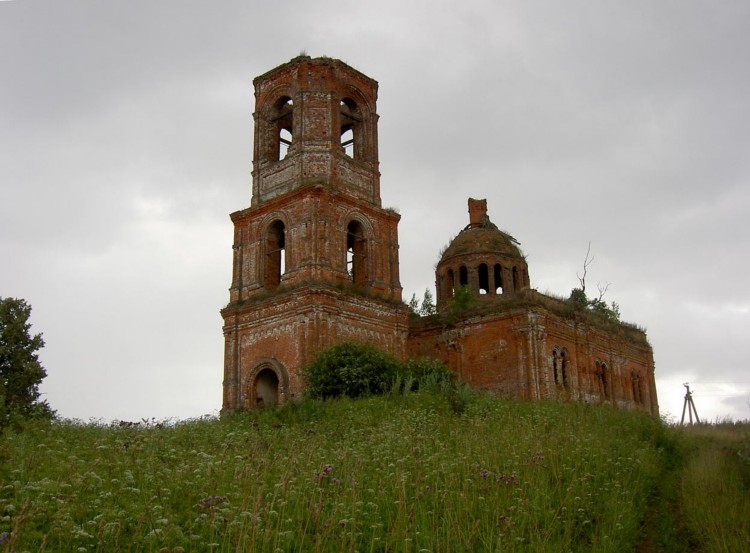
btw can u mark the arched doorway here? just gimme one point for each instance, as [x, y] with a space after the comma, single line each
[266, 388]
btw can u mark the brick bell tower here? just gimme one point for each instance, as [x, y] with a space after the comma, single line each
[315, 254]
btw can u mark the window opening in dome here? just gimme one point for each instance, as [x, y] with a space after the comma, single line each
[484, 279]
[498, 279]
[463, 276]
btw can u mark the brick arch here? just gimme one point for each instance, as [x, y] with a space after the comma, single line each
[267, 99]
[365, 102]
[362, 219]
[257, 376]
[269, 218]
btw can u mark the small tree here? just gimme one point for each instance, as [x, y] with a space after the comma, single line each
[414, 304]
[20, 369]
[428, 304]
[598, 306]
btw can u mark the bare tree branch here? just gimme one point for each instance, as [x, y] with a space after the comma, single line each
[603, 289]
[586, 263]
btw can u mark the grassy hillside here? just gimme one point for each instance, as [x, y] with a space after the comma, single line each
[403, 473]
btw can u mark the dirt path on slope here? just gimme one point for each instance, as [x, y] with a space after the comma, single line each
[664, 529]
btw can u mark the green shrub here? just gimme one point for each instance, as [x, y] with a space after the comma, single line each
[350, 369]
[425, 373]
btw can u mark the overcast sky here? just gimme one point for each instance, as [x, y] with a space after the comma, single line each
[126, 140]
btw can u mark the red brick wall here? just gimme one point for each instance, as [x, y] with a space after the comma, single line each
[512, 353]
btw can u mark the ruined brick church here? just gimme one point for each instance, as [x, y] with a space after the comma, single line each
[316, 262]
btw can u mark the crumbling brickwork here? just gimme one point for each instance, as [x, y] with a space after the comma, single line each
[316, 263]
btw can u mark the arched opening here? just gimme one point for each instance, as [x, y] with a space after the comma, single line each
[451, 284]
[516, 280]
[498, 279]
[275, 254]
[282, 126]
[266, 388]
[350, 127]
[356, 253]
[463, 276]
[484, 279]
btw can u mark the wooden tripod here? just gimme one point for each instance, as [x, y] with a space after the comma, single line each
[690, 406]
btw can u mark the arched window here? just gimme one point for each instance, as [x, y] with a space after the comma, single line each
[556, 365]
[484, 279]
[604, 380]
[282, 123]
[275, 254]
[564, 361]
[560, 366]
[350, 127]
[516, 280]
[463, 276]
[637, 392]
[498, 279]
[451, 284]
[356, 253]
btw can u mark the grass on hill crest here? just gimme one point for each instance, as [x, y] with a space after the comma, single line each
[414, 472]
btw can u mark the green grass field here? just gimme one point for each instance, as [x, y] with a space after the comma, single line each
[412, 472]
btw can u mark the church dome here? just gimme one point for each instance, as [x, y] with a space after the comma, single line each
[482, 258]
[481, 239]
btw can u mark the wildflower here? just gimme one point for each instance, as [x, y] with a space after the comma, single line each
[325, 471]
[4, 538]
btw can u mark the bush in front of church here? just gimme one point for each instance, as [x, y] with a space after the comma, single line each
[350, 369]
